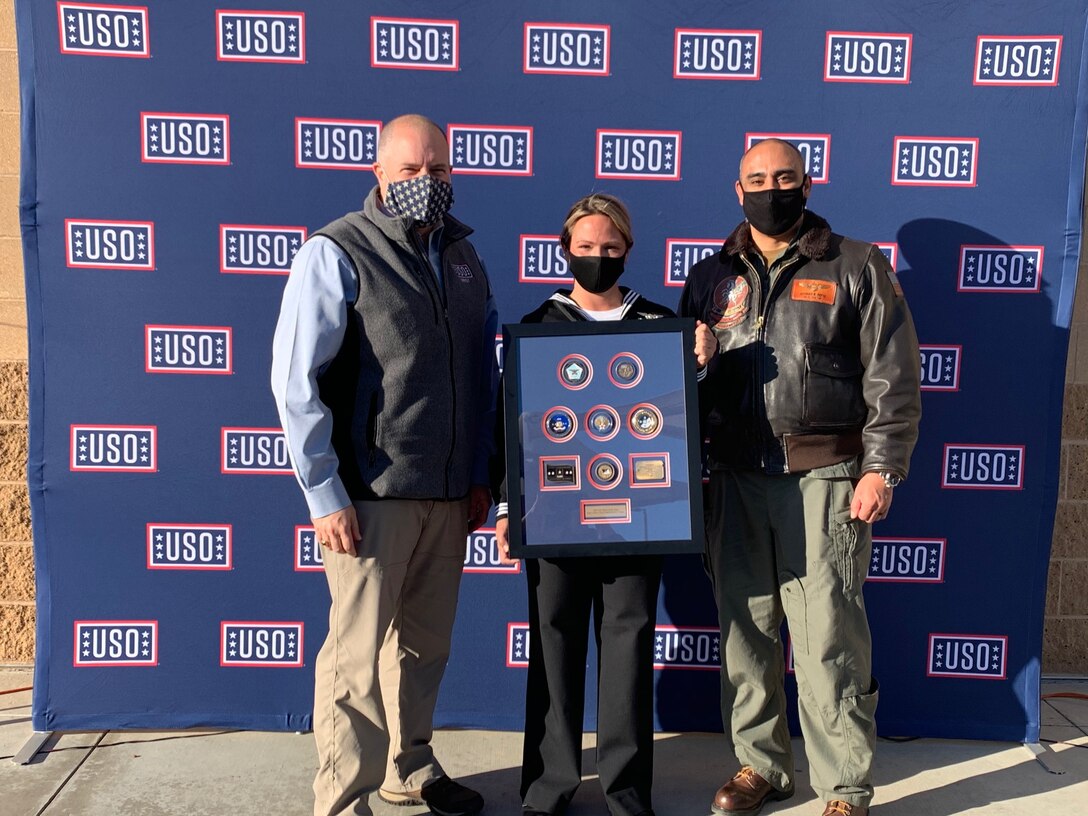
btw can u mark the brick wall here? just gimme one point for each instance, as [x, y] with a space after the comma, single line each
[1065, 636]
[16, 559]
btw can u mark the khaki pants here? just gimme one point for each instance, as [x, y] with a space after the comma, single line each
[785, 546]
[378, 672]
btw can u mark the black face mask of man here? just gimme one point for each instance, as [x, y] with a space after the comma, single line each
[595, 273]
[772, 212]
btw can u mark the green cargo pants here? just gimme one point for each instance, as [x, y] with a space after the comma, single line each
[785, 545]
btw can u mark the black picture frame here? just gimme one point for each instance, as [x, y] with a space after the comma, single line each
[603, 452]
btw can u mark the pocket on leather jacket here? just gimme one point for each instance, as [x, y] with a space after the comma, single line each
[832, 390]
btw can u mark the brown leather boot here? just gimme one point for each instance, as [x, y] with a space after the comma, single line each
[837, 807]
[746, 794]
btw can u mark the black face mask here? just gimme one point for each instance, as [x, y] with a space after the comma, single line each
[772, 212]
[595, 273]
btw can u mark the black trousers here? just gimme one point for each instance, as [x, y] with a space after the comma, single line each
[621, 594]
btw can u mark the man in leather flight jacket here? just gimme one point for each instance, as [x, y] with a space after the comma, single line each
[811, 408]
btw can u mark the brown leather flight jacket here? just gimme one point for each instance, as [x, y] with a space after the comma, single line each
[818, 359]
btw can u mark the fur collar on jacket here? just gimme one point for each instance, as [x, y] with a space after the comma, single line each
[814, 242]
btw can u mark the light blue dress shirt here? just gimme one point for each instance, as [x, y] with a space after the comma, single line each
[312, 323]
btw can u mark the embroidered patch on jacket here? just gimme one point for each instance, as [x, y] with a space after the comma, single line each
[730, 302]
[815, 291]
[462, 271]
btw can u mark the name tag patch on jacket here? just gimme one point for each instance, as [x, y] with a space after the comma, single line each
[815, 291]
[730, 302]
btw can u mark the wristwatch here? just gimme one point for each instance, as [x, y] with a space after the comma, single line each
[891, 480]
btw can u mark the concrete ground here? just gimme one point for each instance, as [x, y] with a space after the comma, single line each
[246, 773]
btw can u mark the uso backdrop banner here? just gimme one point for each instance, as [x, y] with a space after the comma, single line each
[176, 155]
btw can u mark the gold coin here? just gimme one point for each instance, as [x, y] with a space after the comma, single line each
[604, 471]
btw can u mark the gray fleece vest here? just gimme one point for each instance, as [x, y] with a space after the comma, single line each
[405, 389]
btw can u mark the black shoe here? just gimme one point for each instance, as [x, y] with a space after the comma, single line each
[445, 797]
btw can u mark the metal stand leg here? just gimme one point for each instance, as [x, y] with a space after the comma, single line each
[1047, 759]
[31, 747]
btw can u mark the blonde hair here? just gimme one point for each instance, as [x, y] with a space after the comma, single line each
[598, 204]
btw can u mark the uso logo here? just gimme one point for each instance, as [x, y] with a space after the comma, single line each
[114, 448]
[427, 45]
[706, 53]
[482, 553]
[254, 249]
[908, 560]
[851, 56]
[683, 253]
[687, 647]
[541, 260]
[1017, 60]
[980, 657]
[308, 555]
[1000, 269]
[185, 138]
[815, 149]
[638, 154]
[940, 367]
[935, 162]
[491, 150]
[103, 31]
[891, 252]
[561, 48]
[109, 244]
[189, 546]
[116, 643]
[260, 36]
[187, 350]
[340, 144]
[517, 645]
[983, 467]
[254, 450]
[265, 644]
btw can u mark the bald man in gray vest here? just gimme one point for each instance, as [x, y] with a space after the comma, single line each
[384, 376]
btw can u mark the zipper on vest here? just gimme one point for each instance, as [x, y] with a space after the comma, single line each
[432, 289]
[431, 284]
[453, 401]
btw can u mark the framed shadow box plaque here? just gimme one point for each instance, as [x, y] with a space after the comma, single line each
[602, 438]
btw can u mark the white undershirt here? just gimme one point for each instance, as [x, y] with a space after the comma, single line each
[607, 314]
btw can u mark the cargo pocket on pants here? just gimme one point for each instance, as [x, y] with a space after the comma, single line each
[858, 715]
[845, 536]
